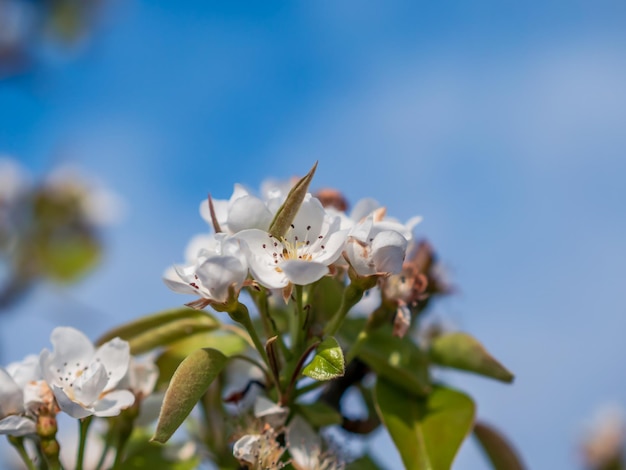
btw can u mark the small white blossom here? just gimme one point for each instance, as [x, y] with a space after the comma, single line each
[141, 377]
[374, 249]
[217, 267]
[302, 257]
[22, 393]
[270, 412]
[84, 379]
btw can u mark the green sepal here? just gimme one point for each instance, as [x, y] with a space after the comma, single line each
[188, 384]
[428, 431]
[328, 362]
[462, 351]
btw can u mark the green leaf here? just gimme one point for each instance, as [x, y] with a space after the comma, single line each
[499, 451]
[227, 343]
[462, 351]
[319, 414]
[398, 360]
[328, 362]
[188, 384]
[162, 328]
[287, 212]
[428, 431]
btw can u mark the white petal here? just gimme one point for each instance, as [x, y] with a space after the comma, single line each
[301, 272]
[17, 426]
[72, 408]
[88, 387]
[218, 273]
[114, 355]
[273, 414]
[308, 221]
[248, 212]
[247, 448]
[304, 444]
[70, 346]
[388, 251]
[175, 283]
[360, 257]
[413, 221]
[113, 402]
[11, 395]
[363, 208]
[361, 231]
[198, 243]
[26, 370]
[334, 244]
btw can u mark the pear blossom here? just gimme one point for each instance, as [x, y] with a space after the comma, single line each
[242, 211]
[313, 242]
[373, 248]
[22, 394]
[220, 265]
[84, 379]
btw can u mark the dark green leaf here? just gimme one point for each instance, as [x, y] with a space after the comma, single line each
[328, 362]
[426, 431]
[287, 212]
[188, 384]
[162, 328]
[462, 351]
[499, 451]
[363, 463]
[398, 360]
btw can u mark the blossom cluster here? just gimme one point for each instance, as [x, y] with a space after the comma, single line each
[322, 238]
[76, 378]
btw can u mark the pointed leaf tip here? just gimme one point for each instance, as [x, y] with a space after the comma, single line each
[287, 212]
[328, 362]
[462, 351]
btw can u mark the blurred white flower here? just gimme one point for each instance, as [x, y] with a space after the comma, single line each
[84, 379]
[270, 412]
[606, 436]
[218, 266]
[305, 447]
[13, 419]
[99, 205]
[13, 179]
[141, 377]
[302, 257]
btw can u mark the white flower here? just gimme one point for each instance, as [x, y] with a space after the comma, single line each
[13, 180]
[242, 211]
[373, 248]
[22, 394]
[305, 447]
[303, 255]
[84, 379]
[217, 267]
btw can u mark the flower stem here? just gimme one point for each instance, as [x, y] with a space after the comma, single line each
[18, 443]
[351, 295]
[241, 315]
[83, 429]
[300, 320]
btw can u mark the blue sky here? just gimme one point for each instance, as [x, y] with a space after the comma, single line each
[501, 124]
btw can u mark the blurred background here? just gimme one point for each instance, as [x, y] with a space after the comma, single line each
[503, 124]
